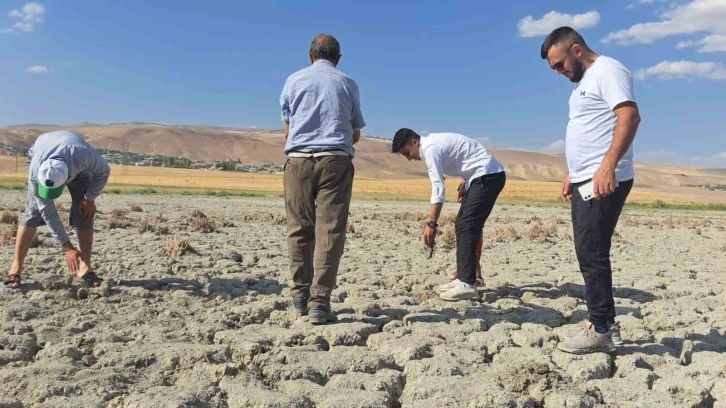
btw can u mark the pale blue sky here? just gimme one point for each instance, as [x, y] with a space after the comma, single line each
[464, 66]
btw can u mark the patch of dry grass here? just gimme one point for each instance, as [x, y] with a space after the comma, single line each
[414, 188]
[697, 223]
[156, 224]
[202, 224]
[145, 225]
[447, 219]
[176, 247]
[9, 218]
[558, 220]
[409, 216]
[119, 213]
[136, 208]
[447, 237]
[506, 234]
[533, 220]
[542, 233]
[117, 220]
[502, 220]
[274, 218]
[7, 236]
[199, 222]
[421, 296]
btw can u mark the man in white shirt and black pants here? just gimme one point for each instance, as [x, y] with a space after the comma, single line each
[457, 156]
[603, 121]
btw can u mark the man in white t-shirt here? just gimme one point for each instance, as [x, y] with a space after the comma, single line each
[603, 121]
[457, 156]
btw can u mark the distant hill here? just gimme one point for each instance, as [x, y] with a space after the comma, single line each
[373, 157]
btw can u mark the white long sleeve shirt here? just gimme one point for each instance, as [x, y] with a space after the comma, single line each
[457, 156]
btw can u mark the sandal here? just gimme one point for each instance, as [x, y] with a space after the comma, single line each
[90, 279]
[12, 281]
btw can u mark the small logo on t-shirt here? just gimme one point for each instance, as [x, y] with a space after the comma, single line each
[582, 93]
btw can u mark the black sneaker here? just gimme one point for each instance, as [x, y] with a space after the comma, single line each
[321, 315]
[300, 304]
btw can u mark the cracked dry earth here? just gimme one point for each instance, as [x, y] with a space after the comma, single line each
[212, 328]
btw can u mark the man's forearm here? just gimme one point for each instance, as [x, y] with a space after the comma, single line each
[356, 136]
[435, 212]
[623, 137]
[287, 129]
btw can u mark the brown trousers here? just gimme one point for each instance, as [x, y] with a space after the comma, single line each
[317, 198]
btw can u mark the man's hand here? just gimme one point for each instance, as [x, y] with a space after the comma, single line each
[73, 259]
[566, 191]
[462, 193]
[87, 208]
[429, 236]
[603, 182]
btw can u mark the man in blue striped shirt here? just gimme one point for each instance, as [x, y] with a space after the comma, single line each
[321, 110]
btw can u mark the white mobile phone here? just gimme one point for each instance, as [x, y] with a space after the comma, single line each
[586, 191]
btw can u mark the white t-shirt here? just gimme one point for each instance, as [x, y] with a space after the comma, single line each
[457, 156]
[606, 84]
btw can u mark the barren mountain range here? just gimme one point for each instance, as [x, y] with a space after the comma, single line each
[373, 157]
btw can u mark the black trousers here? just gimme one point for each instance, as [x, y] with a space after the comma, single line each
[593, 224]
[473, 213]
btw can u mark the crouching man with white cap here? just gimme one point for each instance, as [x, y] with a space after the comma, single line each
[59, 159]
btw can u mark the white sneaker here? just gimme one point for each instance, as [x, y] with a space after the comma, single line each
[588, 341]
[614, 329]
[446, 286]
[461, 291]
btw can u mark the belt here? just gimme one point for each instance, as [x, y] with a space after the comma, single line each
[489, 176]
[330, 152]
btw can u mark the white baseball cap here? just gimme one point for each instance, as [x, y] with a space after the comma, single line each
[52, 177]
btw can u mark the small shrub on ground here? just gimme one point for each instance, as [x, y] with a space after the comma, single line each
[447, 237]
[117, 221]
[542, 233]
[275, 218]
[9, 218]
[176, 247]
[203, 225]
[7, 236]
[156, 224]
[506, 234]
[118, 213]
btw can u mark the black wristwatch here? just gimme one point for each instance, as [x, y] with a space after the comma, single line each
[432, 224]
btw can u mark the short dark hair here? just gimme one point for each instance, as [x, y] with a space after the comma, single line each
[326, 47]
[563, 35]
[402, 138]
